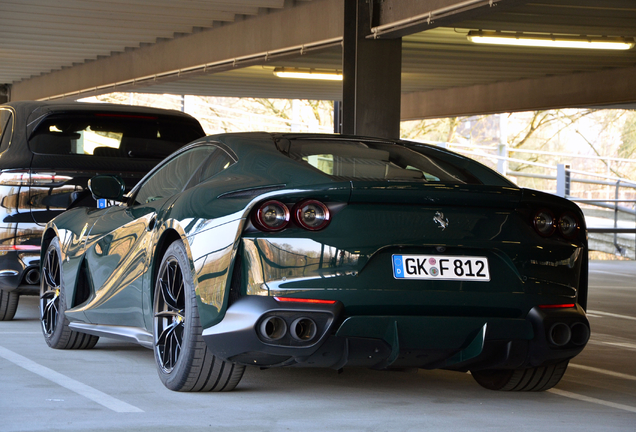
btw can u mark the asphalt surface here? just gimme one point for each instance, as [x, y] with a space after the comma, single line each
[115, 386]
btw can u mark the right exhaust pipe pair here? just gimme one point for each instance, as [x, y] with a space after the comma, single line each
[561, 334]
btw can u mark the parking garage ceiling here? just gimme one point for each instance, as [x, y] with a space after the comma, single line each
[74, 48]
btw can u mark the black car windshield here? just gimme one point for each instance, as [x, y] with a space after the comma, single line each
[113, 135]
[376, 161]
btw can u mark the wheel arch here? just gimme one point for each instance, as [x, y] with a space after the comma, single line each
[167, 237]
[49, 234]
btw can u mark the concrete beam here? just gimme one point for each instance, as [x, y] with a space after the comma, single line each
[592, 89]
[303, 23]
[397, 18]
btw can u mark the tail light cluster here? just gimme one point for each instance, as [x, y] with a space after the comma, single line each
[546, 224]
[273, 215]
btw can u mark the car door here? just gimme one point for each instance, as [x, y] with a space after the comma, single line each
[119, 256]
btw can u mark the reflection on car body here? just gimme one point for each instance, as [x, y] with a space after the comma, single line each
[289, 250]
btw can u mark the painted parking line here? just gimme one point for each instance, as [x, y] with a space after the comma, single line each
[603, 371]
[627, 317]
[627, 345]
[612, 273]
[614, 287]
[583, 398]
[20, 332]
[68, 383]
[623, 345]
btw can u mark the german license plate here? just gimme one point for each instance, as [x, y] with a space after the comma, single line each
[441, 267]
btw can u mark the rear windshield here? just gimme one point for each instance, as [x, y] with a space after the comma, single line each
[113, 135]
[376, 161]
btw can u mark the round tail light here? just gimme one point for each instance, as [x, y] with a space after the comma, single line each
[312, 215]
[544, 223]
[271, 216]
[568, 225]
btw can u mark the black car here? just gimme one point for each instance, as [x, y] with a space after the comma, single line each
[48, 151]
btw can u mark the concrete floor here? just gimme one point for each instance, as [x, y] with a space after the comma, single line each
[115, 386]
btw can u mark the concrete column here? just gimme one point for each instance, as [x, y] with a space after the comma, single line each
[4, 93]
[337, 117]
[371, 82]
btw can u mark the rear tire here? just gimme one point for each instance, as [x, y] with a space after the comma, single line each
[184, 362]
[55, 325]
[532, 379]
[8, 304]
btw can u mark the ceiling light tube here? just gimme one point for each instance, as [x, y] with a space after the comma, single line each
[308, 74]
[550, 41]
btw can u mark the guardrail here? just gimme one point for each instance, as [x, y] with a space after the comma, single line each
[600, 223]
[564, 180]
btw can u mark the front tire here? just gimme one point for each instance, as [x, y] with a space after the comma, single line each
[8, 304]
[184, 362]
[532, 379]
[55, 325]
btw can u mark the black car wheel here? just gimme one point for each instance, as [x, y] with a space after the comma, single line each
[183, 360]
[55, 325]
[532, 379]
[8, 304]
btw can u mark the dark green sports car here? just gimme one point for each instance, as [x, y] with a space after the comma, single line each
[322, 251]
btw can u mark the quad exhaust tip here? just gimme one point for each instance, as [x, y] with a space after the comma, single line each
[559, 334]
[580, 333]
[303, 329]
[273, 328]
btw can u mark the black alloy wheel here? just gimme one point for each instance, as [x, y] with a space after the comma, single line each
[50, 291]
[184, 362]
[169, 315]
[55, 325]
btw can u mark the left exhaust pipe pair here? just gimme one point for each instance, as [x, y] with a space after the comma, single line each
[274, 328]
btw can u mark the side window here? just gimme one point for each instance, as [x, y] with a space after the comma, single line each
[110, 135]
[172, 177]
[217, 162]
[6, 128]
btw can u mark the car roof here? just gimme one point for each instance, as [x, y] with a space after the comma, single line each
[28, 114]
[262, 148]
[26, 108]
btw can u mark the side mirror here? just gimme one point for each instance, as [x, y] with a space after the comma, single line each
[107, 187]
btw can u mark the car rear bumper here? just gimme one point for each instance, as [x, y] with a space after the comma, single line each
[261, 331]
[20, 272]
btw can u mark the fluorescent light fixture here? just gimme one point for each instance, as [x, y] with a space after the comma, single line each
[308, 74]
[550, 41]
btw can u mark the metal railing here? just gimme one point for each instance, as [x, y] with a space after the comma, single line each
[607, 217]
